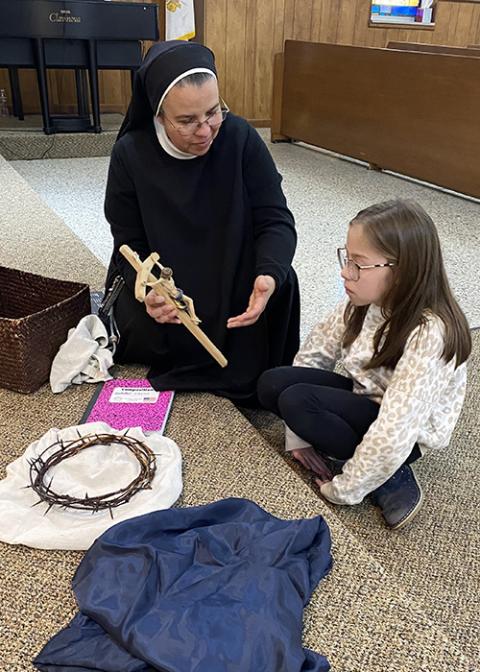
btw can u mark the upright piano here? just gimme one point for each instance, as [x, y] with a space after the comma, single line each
[84, 35]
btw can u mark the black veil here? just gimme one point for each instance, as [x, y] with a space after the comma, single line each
[164, 62]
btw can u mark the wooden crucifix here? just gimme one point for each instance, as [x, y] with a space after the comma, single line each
[165, 286]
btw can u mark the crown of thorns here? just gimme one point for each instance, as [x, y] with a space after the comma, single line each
[62, 450]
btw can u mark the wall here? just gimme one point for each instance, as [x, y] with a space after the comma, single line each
[245, 35]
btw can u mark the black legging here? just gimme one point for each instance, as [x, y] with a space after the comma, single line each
[320, 407]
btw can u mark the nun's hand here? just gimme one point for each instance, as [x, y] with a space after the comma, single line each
[263, 289]
[160, 310]
[312, 460]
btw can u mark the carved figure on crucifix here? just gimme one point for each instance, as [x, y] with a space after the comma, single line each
[182, 301]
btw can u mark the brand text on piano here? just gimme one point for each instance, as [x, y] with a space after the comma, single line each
[64, 16]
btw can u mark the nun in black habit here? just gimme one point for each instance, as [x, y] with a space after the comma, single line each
[195, 183]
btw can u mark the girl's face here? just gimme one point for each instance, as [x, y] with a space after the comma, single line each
[373, 283]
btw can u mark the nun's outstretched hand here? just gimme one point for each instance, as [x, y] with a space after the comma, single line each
[263, 289]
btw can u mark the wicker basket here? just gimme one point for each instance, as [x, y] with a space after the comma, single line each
[35, 316]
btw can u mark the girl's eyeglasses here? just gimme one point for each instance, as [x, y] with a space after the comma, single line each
[214, 120]
[352, 268]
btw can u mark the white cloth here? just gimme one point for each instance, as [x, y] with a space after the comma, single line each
[85, 356]
[96, 470]
[420, 399]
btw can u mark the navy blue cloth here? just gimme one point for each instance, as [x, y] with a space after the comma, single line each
[215, 588]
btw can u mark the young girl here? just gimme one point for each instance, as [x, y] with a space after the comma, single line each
[403, 342]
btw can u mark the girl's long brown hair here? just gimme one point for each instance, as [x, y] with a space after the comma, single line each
[406, 235]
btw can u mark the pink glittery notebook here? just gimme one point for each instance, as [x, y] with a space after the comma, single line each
[123, 403]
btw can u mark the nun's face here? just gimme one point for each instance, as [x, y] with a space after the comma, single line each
[190, 116]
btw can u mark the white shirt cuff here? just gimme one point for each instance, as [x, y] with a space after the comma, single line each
[294, 442]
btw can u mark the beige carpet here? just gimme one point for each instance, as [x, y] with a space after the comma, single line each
[361, 617]
[437, 557]
[34, 238]
[375, 612]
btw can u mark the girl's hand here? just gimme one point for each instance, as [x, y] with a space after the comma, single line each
[312, 460]
[263, 289]
[161, 311]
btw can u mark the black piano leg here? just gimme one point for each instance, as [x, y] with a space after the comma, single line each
[82, 94]
[93, 73]
[42, 85]
[16, 94]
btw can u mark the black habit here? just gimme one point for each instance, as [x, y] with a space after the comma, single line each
[218, 220]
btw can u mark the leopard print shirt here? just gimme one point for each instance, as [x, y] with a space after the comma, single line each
[420, 400]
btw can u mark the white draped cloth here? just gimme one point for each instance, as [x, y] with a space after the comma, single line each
[96, 470]
[85, 357]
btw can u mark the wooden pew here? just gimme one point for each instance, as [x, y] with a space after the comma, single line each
[410, 112]
[435, 48]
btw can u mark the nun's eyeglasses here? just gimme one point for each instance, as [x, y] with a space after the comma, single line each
[214, 120]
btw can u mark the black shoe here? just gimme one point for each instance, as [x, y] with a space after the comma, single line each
[400, 498]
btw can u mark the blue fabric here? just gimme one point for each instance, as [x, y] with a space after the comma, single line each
[215, 588]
